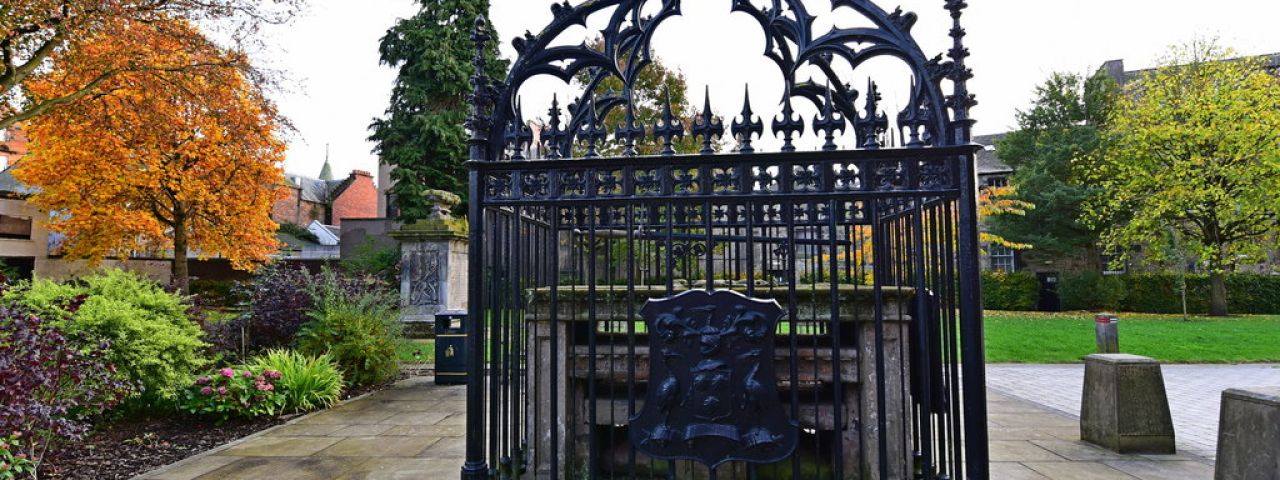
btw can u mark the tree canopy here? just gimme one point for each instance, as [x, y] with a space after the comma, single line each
[654, 86]
[34, 32]
[157, 159]
[1194, 148]
[421, 136]
[1061, 126]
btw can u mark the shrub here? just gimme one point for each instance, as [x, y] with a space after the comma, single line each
[362, 342]
[228, 392]
[278, 303]
[357, 323]
[50, 384]
[14, 462]
[1010, 291]
[153, 342]
[1091, 291]
[1162, 293]
[218, 293]
[307, 383]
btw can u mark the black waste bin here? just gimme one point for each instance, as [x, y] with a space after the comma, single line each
[451, 349]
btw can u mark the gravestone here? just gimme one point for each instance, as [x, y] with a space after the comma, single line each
[1249, 435]
[1125, 407]
[433, 259]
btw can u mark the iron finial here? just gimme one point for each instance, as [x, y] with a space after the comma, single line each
[707, 126]
[668, 128]
[789, 124]
[829, 121]
[749, 126]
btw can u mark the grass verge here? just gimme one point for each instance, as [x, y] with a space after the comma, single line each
[1032, 337]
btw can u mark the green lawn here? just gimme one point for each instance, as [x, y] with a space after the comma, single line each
[1029, 337]
[417, 351]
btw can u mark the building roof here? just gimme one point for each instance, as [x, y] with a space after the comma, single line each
[11, 186]
[988, 162]
[316, 190]
[1115, 68]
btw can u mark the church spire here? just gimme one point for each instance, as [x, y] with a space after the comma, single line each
[326, 172]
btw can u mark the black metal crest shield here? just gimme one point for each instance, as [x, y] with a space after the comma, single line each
[712, 395]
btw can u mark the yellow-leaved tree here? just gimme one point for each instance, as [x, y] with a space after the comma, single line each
[186, 160]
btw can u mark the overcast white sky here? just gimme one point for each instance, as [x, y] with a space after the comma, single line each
[336, 85]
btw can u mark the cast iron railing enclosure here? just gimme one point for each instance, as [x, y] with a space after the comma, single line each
[735, 313]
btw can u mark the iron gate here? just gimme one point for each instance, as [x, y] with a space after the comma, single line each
[740, 314]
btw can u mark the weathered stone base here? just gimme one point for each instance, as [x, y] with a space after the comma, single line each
[1125, 408]
[1249, 435]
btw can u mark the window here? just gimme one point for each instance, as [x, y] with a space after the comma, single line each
[1109, 268]
[997, 181]
[1002, 258]
[15, 227]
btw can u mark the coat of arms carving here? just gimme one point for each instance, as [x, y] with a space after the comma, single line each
[712, 395]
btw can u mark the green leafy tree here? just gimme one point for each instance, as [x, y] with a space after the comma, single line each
[422, 135]
[1062, 125]
[1195, 147]
[655, 84]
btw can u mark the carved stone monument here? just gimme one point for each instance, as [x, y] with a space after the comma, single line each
[857, 422]
[1125, 408]
[1249, 434]
[433, 259]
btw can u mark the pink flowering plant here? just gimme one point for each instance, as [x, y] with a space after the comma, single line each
[245, 392]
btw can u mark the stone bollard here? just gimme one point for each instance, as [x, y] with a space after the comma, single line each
[1249, 435]
[1125, 408]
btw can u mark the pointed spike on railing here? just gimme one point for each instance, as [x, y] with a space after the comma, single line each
[516, 132]
[668, 128]
[554, 136]
[789, 123]
[593, 131]
[749, 127]
[630, 131]
[707, 126]
[873, 122]
[828, 121]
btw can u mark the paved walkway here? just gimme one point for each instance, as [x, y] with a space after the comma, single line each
[415, 431]
[1195, 393]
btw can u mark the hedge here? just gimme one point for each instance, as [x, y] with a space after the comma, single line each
[1143, 293]
[1010, 291]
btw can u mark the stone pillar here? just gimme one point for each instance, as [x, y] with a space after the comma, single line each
[1125, 407]
[433, 259]
[1249, 435]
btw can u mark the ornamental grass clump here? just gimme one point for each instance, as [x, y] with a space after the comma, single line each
[307, 382]
[234, 393]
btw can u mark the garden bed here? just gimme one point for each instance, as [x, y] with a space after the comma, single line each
[134, 446]
[131, 447]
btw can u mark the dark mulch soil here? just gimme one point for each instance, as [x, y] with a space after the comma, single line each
[133, 446]
[129, 447]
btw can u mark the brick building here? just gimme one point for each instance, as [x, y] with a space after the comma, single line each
[325, 199]
[13, 145]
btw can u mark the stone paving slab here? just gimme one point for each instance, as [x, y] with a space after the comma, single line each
[411, 430]
[1041, 448]
[383, 436]
[1195, 393]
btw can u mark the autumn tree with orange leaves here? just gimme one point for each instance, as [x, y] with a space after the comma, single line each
[157, 159]
[35, 32]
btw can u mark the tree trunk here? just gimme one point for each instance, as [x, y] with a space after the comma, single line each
[1217, 294]
[180, 280]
